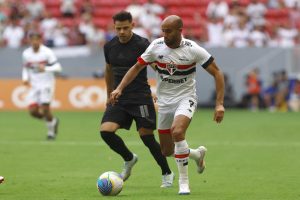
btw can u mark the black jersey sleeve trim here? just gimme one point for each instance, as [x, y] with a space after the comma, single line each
[51, 64]
[208, 62]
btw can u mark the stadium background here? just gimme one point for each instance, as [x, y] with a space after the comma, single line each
[80, 86]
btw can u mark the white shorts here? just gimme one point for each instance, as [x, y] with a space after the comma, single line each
[40, 95]
[186, 107]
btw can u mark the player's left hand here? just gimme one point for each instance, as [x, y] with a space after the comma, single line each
[115, 95]
[219, 113]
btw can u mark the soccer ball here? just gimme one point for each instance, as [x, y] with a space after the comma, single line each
[1, 179]
[110, 183]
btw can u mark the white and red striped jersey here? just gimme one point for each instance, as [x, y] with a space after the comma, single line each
[31, 61]
[175, 69]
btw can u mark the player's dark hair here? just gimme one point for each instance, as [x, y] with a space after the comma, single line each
[122, 16]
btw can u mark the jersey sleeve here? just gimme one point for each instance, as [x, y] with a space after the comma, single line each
[52, 64]
[25, 74]
[202, 56]
[147, 57]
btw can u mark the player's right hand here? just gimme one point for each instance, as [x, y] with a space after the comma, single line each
[115, 95]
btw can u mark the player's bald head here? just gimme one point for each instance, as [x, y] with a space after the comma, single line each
[173, 21]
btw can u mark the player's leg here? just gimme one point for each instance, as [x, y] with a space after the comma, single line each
[113, 119]
[146, 124]
[34, 108]
[182, 119]
[181, 151]
[165, 121]
[45, 97]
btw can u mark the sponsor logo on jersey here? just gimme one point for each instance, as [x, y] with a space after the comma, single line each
[175, 81]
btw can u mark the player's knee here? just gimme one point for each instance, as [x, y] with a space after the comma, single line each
[106, 135]
[167, 152]
[177, 132]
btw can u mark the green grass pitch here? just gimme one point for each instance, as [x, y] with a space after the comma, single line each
[250, 156]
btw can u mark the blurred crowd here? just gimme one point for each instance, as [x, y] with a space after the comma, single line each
[282, 94]
[229, 23]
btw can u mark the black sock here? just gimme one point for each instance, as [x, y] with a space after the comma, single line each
[154, 148]
[117, 144]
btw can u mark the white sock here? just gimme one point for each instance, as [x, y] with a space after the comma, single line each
[182, 159]
[50, 126]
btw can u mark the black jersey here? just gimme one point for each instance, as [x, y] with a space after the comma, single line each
[122, 57]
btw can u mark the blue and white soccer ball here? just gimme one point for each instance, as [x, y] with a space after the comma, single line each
[110, 183]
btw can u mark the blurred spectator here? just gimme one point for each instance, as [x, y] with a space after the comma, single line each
[241, 34]
[275, 4]
[75, 37]
[153, 7]
[287, 35]
[232, 18]
[4, 11]
[13, 34]
[295, 14]
[270, 92]
[294, 101]
[258, 37]
[151, 24]
[291, 3]
[228, 34]
[256, 11]
[273, 40]
[254, 89]
[140, 30]
[217, 8]
[136, 9]
[86, 7]
[60, 34]
[95, 38]
[214, 31]
[47, 26]
[35, 8]
[282, 93]
[86, 25]
[68, 8]
[17, 9]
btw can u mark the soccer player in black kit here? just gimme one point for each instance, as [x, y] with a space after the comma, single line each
[136, 101]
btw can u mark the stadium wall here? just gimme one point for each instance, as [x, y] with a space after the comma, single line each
[80, 63]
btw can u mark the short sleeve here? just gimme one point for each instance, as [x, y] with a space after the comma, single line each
[202, 56]
[51, 57]
[147, 57]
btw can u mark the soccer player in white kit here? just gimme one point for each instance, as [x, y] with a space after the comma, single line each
[39, 68]
[175, 58]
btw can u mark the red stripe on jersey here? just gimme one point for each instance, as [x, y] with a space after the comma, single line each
[141, 61]
[182, 155]
[29, 64]
[164, 131]
[163, 65]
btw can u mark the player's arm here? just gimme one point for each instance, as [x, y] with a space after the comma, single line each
[219, 82]
[109, 80]
[52, 67]
[25, 76]
[127, 79]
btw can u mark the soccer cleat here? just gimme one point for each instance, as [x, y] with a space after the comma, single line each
[128, 167]
[50, 137]
[184, 189]
[200, 162]
[167, 180]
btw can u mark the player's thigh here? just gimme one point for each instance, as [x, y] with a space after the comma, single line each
[145, 118]
[32, 98]
[46, 95]
[165, 121]
[182, 118]
[115, 117]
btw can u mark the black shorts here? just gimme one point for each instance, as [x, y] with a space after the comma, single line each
[143, 115]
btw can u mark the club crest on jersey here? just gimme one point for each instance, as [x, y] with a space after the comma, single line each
[171, 67]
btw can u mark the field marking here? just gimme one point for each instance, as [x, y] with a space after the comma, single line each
[139, 143]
